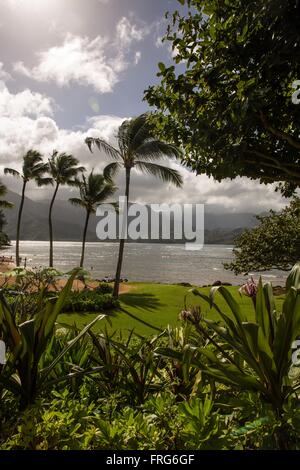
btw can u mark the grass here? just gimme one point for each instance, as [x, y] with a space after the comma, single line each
[158, 305]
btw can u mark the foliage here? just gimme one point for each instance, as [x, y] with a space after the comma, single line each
[104, 288]
[33, 280]
[27, 342]
[274, 243]
[77, 424]
[4, 240]
[63, 169]
[208, 384]
[90, 301]
[251, 355]
[228, 98]
[73, 420]
[3, 203]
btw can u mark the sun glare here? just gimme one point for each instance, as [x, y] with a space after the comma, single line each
[30, 4]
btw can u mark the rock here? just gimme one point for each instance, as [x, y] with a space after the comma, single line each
[220, 283]
[217, 283]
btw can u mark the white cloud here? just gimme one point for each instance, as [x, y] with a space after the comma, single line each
[128, 32]
[137, 57]
[78, 60]
[104, 126]
[26, 122]
[159, 41]
[86, 62]
[4, 76]
[25, 103]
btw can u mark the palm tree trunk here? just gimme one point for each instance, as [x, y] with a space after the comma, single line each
[51, 226]
[19, 224]
[84, 237]
[122, 242]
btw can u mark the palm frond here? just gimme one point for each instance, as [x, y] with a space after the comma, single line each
[139, 126]
[74, 183]
[166, 174]
[111, 151]
[37, 170]
[157, 150]
[11, 171]
[43, 181]
[94, 190]
[63, 167]
[107, 191]
[111, 170]
[32, 163]
[6, 205]
[123, 136]
[77, 202]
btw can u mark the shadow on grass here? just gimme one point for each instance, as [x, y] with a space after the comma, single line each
[141, 301]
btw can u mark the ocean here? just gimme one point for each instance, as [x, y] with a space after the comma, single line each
[168, 264]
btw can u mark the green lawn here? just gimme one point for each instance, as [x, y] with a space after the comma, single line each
[158, 305]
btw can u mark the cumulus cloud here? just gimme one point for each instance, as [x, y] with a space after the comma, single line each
[26, 122]
[25, 103]
[85, 61]
[77, 60]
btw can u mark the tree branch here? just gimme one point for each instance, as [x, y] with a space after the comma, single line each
[277, 133]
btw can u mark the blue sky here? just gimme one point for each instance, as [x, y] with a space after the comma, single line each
[29, 30]
[76, 68]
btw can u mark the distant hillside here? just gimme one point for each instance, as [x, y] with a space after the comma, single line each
[68, 222]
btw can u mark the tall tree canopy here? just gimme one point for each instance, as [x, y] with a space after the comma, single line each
[229, 100]
[273, 244]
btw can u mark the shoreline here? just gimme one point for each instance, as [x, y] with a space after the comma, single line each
[148, 263]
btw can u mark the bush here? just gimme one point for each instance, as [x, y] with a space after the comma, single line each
[104, 288]
[90, 301]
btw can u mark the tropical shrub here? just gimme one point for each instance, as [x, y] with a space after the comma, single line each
[253, 355]
[23, 374]
[104, 288]
[69, 423]
[90, 301]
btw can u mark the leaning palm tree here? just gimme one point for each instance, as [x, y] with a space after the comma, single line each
[137, 148]
[63, 170]
[33, 169]
[94, 190]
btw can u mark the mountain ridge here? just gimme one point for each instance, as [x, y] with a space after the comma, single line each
[68, 222]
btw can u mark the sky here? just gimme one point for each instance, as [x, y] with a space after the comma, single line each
[76, 68]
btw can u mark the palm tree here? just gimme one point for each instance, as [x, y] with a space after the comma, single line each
[94, 190]
[63, 170]
[33, 169]
[137, 148]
